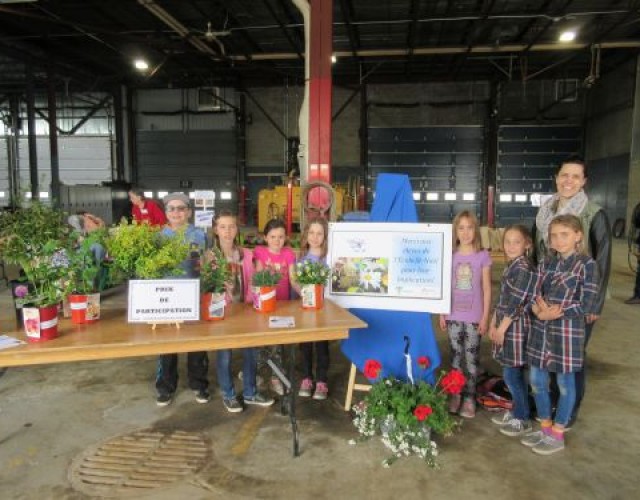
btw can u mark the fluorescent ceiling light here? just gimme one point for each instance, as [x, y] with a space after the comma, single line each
[469, 196]
[506, 198]
[521, 198]
[141, 64]
[44, 195]
[148, 194]
[433, 196]
[450, 196]
[1, 194]
[416, 196]
[567, 36]
[225, 195]
[334, 59]
[162, 194]
[192, 195]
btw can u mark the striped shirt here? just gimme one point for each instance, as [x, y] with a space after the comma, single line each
[516, 293]
[558, 345]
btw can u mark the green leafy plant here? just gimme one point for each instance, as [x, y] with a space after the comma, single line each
[141, 251]
[405, 413]
[37, 239]
[266, 277]
[215, 272]
[312, 273]
[84, 267]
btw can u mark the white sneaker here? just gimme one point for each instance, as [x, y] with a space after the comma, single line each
[516, 427]
[502, 418]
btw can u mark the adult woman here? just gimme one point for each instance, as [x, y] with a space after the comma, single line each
[571, 199]
[144, 210]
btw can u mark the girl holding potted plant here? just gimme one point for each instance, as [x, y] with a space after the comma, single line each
[311, 270]
[240, 267]
[275, 257]
[178, 214]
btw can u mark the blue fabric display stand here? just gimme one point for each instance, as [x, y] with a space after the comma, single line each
[383, 340]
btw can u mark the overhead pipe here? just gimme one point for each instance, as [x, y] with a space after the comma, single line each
[303, 119]
[435, 51]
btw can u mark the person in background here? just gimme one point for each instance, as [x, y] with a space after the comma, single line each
[84, 223]
[225, 228]
[144, 210]
[635, 250]
[570, 198]
[314, 249]
[470, 307]
[510, 327]
[178, 215]
[565, 301]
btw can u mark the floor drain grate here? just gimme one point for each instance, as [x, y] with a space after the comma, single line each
[138, 462]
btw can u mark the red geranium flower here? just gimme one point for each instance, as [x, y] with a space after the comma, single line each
[372, 368]
[453, 382]
[422, 411]
[424, 362]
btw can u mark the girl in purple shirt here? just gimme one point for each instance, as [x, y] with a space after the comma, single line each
[470, 305]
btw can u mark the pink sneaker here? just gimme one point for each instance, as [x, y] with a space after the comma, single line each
[468, 409]
[322, 391]
[305, 388]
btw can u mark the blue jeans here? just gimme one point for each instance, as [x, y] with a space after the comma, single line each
[566, 401]
[514, 378]
[225, 379]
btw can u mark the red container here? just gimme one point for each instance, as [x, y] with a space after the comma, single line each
[212, 306]
[78, 306]
[40, 323]
[312, 296]
[264, 298]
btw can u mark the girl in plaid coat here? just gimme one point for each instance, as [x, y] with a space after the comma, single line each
[566, 295]
[510, 327]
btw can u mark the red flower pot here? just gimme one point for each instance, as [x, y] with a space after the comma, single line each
[84, 308]
[40, 323]
[212, 306]
[312, 296]
[264, 298]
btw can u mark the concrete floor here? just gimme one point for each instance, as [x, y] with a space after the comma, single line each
[51, 414]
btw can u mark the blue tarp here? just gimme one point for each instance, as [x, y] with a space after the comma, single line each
[383, 339]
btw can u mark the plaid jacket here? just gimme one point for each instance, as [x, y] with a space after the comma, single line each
[516, 293]
[558, 345]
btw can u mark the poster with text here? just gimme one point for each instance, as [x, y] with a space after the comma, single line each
[395, 266]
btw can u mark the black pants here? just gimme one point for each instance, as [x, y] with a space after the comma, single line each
[167, 372]
[322, 360]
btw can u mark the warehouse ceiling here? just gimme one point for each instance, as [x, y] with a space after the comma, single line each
[91, 44]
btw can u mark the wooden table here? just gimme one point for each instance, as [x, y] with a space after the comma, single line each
[113, 338]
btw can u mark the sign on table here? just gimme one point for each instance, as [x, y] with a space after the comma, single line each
[157, 301]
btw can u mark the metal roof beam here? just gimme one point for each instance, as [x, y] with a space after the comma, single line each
[283, 27]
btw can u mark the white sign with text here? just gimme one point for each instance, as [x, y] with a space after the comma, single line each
[155, 301]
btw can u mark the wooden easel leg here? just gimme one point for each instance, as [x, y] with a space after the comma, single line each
[352, 381]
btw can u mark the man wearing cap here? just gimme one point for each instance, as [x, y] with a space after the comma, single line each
[178, 214]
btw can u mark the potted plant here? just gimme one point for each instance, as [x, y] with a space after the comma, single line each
[406, 413]
[264, 289]
[84, 299]
[312, 276]
[140, 251]
[37, 239]
[215, 275]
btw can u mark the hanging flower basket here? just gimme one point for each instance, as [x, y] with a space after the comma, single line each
[212, 306]
[312, 296]
[40, 323]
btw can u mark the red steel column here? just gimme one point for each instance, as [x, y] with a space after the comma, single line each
[321, 49]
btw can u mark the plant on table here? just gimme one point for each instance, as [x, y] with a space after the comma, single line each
[215, 272]
[311, 273]
[37, 239]
[406, 413]
[85, 269]
[267, 277]
[141, 251]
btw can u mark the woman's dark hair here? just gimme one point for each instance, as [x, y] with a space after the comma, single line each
[274, 224]
[578, 160]
[138, 192]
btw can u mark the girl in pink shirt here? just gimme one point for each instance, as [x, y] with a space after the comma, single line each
[282, 259]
